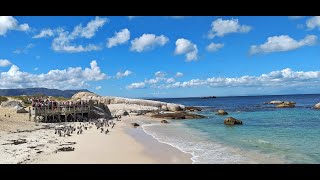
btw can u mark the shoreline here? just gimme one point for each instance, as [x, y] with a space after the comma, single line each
[124, 145]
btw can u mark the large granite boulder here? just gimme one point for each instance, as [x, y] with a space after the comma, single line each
[221, 112]
[178, 115]
[11, 104]
[232, 121]
[286, 104]
[164, 107]
[317, 106]
[175, 107]
[121, 113]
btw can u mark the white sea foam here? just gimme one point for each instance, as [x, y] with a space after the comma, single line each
[194, 143]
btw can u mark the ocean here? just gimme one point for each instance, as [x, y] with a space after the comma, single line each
[268, 134]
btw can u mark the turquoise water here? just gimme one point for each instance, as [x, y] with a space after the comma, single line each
[268, 135]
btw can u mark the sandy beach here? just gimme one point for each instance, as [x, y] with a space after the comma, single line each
[123, 145]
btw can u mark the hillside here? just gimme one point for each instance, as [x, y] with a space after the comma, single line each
[44, 91]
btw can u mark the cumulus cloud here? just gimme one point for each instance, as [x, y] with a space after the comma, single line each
[212, 47]
[283, 78]
[24, 50]
[98, 87]
[119, 38]
[148, 42]
[313, 22]
[123, 74]
[184, 46]
[62, 43]
[179, 74]
[139, 85]
[4, 63]
[44, 33]
[8, 23]
[70, 78]
[222, 27]
[282, 43]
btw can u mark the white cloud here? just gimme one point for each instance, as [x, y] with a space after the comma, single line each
[160, 74]
[284, 78]
[222, 27]
[62, 43]
[70, 78]
[131, 17]
[170, 80]
[4, 63]
[124, 74]
[24, 50]
[98, 87]
[313, 22]
[179, 74]
[139, 85]
[212, 47]
[148, 42]
[36, 69]
[184, 46]
[119, 38]
[44, 33]
[8, 23]
[282, 43]
[90, 30]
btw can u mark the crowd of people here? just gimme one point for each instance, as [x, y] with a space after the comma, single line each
[53, 104]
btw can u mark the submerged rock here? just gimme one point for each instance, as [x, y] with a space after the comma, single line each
[232, 121]
[221, 112]
[178, 115]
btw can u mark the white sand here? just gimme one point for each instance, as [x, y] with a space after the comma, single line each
[91, 147]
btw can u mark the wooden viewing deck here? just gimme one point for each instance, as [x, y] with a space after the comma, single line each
[60, 113]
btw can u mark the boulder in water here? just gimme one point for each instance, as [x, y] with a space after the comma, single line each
[193, 108]
[221, 112]
[286, 104]
[135, 124]
[275, 102]
[178, 115]
[232, 121]
[317, 106]
[164, 121]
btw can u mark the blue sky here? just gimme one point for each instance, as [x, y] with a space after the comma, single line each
[162, 56]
